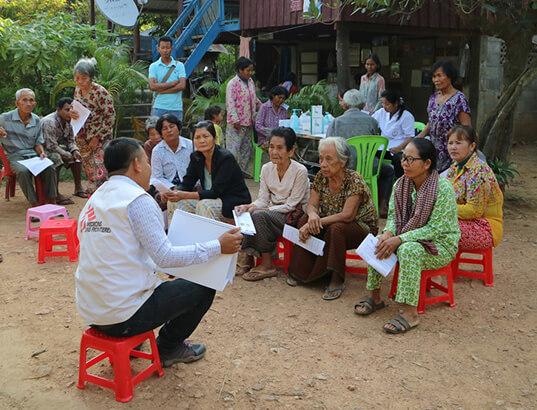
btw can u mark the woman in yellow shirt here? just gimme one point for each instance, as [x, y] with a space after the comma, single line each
[479, 197]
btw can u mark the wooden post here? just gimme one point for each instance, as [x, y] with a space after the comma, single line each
[342, 55]
[92, 12]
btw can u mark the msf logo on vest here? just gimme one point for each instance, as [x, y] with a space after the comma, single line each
[89, 222]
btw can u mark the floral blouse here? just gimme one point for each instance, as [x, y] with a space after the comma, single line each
[102, 119]
[442, 117]
[241, 102]
[478, 194]
[332, 203]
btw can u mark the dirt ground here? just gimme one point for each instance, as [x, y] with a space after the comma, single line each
[273, 346]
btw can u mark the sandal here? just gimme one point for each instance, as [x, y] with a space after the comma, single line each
[245, 262]
[369, 305]
[400, 323]
[256, 274]
[63, 200]
[81, 194]
[291, 282]
[333, 293]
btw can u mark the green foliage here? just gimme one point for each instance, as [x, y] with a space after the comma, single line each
[316, 94]
[217, 96]
[32, 55]
[505, 171]
[41, 55]
[225, 63]
[24, 11]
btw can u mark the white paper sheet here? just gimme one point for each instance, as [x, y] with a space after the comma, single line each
[83, 114]
[36, 165]
[367, 251]
[244, 221]
[161, 184]
[313, 244]
[188, 229]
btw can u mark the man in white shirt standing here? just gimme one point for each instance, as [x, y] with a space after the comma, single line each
[122, 240]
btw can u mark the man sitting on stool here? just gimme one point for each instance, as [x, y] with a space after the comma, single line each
[61, 147]
[20, 135]
[122, 240]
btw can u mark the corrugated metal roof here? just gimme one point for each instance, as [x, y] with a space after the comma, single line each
[263, 14]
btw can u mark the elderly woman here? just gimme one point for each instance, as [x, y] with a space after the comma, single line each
[372, 84]
[241, 106]
[353, 122]
[283, 191]
[171, 156]
[421, 229]
[99, 126]
[479, 197]
[340, 211]
[220, 177]
[446, 108]
[270, 114]
[153, 137]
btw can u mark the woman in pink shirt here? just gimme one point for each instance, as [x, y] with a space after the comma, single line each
[241, 106]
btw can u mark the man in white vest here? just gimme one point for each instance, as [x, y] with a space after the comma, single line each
[122, 240]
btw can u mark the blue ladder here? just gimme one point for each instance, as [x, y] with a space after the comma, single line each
[194, 31]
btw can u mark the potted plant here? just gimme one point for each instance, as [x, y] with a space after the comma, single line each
[505, 172]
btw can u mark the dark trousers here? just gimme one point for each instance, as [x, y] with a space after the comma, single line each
[179, 305]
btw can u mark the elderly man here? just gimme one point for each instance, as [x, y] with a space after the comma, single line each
[20, 135]
[61, 148]
[122, 240]
[167, 79]
[353, 122]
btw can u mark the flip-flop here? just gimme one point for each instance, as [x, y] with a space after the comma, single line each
[369, 305]
[333, 293]
[291, 282]
[256, 274]
[81, 194]
[400, 323]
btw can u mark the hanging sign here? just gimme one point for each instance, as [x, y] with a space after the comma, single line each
[122, 12]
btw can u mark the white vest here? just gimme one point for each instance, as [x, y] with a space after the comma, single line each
[115, 275]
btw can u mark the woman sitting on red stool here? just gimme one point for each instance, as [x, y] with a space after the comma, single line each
[421, 229]
[479, 197]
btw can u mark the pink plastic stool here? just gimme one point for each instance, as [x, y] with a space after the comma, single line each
[43, 213]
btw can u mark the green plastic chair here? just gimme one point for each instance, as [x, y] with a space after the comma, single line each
[366, 149]
[258, 155]
[419, 126]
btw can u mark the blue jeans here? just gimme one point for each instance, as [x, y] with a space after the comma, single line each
[159, 112]
[178, 304]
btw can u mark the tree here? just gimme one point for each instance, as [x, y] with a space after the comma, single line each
[513, 21]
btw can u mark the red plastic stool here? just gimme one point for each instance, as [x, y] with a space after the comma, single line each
[486, 275]
[118, 350]
[426, 284]
[283, 251]
[355, 270]
[55, 227]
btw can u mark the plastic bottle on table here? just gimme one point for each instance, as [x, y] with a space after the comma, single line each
[295, 122]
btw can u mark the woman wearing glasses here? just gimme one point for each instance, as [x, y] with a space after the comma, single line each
[220, 177]
[422, 229]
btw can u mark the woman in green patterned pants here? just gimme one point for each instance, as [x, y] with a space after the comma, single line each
[422, 229]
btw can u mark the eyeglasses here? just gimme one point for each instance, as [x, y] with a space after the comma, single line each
[409, 159]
